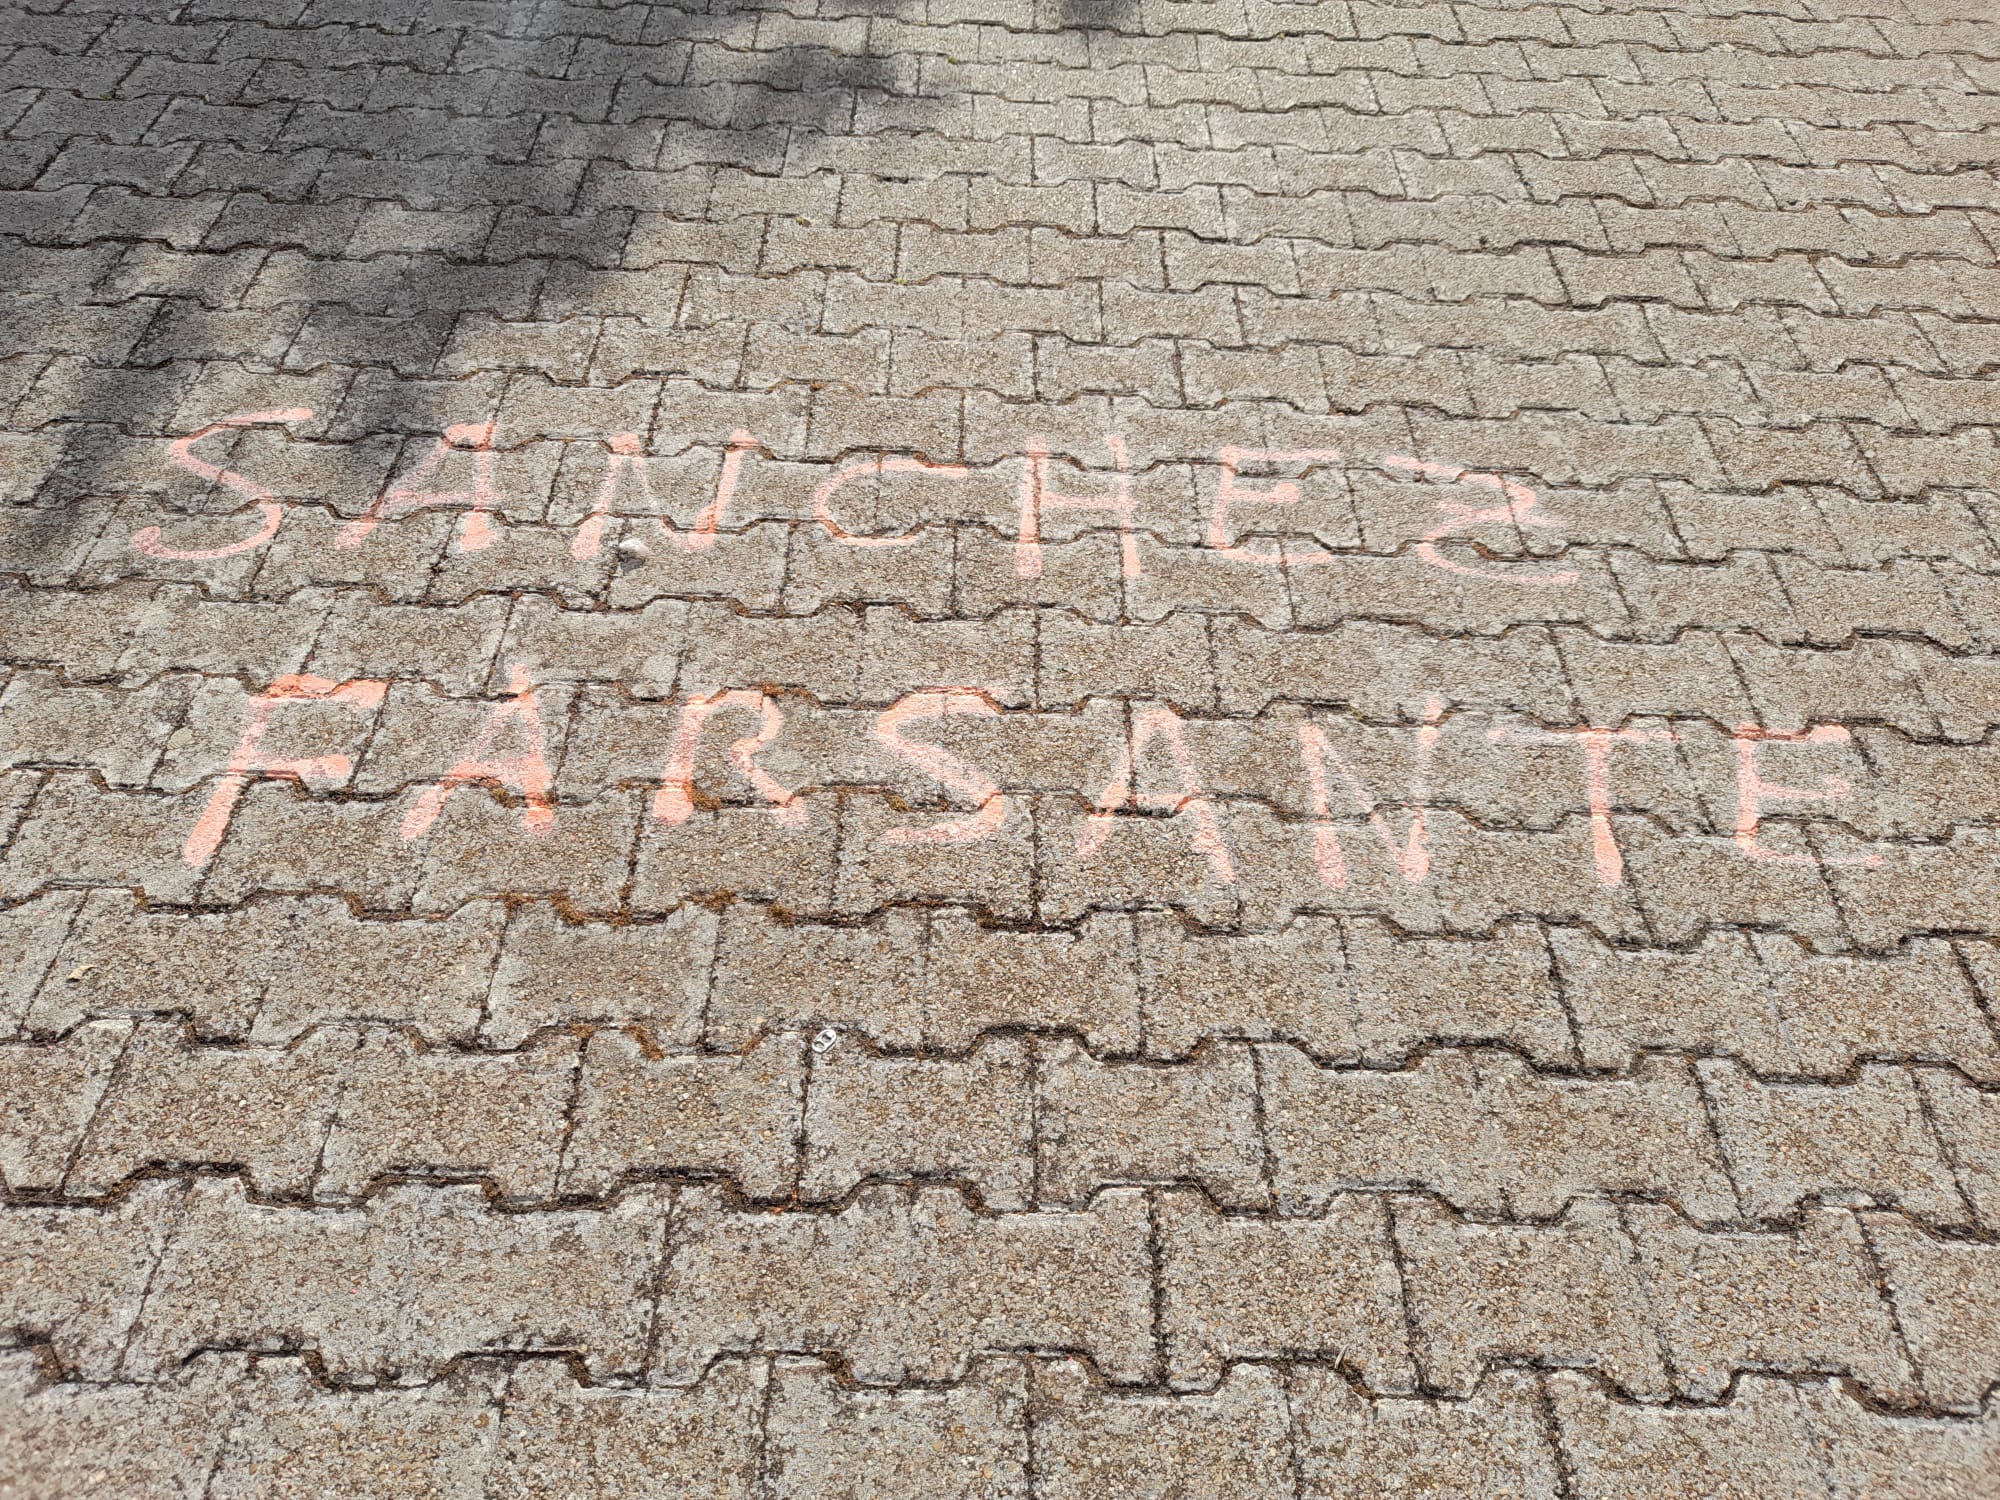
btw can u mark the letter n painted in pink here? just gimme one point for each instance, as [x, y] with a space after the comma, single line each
[1412, 855]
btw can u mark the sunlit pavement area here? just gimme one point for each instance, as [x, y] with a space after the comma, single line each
[999, 748]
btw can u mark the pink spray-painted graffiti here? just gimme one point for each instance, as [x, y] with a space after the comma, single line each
[822, 500]
[270, 512]
[1037, 499]
[526, 772]
[943, 767]
[1516, 510]
[1334, 791]
[1596, 745]
[1230, 492]
[674, 802]
[475, 532]
[628, 456]
[1754, 793]
[246, 762]
[1412, 853]
[1189, 798]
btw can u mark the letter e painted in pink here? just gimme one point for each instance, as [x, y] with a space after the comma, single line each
[1753, 792]
[1231, 491]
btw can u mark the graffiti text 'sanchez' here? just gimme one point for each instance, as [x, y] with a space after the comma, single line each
[1511, 503]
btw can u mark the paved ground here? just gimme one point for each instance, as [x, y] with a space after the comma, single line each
[1080, 748]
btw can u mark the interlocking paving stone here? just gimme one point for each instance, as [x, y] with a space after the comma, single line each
[262, 1422]
[997, 749]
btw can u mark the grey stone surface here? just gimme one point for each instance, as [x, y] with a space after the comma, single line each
[998, 748]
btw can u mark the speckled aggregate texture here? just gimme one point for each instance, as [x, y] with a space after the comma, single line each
[999, 749]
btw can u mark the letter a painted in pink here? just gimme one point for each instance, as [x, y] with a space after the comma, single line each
[1149, 725]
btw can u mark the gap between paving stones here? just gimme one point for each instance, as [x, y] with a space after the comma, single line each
[1376, 1282]
[922, 980]
[570, 1117]
[789, 1427]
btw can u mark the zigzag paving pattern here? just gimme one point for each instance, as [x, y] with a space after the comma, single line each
[955, 749]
